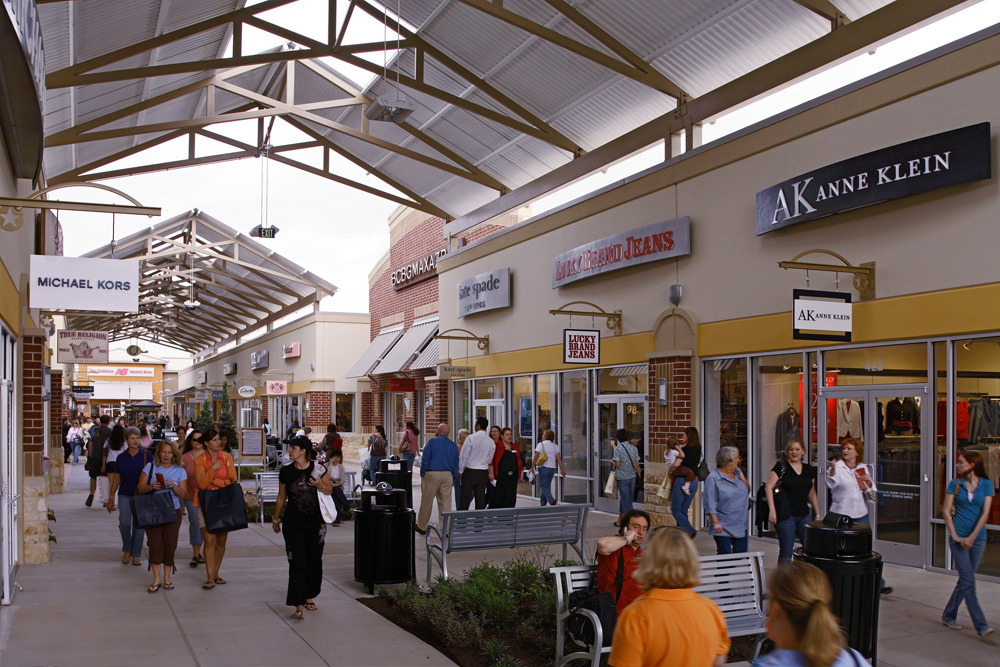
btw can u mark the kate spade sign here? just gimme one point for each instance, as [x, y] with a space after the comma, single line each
[937, 161]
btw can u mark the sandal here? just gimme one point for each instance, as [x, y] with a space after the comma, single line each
[153, 588]
[168, 587]
[194, 561]
[126, 557]
[220, 581]
[208, 585]
[311, 606]
[136, 562]
[201, 559]
[298, 615]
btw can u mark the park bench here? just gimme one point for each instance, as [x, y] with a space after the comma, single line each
[475, 530]
[735, 582]
[266, 490]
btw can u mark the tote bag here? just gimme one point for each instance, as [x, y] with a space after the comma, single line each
[611, 488]
[223, 509]
[327, 507]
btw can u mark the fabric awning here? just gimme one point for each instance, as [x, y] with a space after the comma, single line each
[399, 357]
[625, 371]
[428, 358]
[375, 351]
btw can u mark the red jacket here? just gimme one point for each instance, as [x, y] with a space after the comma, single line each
[500, 450]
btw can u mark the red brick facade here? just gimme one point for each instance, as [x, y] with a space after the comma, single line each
[33, 415]
[670, 421]
[320, 411]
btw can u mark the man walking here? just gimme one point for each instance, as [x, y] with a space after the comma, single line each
[474, 465]
[95, 454]
[438, 476]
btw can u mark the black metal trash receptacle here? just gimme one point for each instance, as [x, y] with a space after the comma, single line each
[384, 546]
[394, 472]
[843, 550]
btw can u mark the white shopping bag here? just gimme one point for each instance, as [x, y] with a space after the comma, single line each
[103, 490]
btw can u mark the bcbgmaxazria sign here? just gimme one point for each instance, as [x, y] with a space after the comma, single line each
[660, 240]
[937, 161]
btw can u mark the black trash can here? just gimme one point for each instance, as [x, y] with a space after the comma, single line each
[394, 472]
[843, 550]
[384, 546]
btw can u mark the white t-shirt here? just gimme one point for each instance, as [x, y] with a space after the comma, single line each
[113, 454]
[551, 449]
[670, 457]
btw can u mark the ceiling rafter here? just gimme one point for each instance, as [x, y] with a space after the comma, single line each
[827, 10]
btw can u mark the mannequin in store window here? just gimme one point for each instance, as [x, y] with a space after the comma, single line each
[788, 426]
[849, 419]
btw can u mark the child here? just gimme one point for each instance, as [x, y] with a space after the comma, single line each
[336, 467]
[674, 457]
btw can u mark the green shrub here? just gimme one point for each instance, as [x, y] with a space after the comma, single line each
[493, 650]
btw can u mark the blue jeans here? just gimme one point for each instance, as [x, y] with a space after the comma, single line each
[374, 463]
[868, 522]
[730, 545]
[680, 502]
[408, 457]
[76, 453]
[545, 476]
[131, 534]
[194, 531]
[966, 561]
[626, 489]
[788, 530]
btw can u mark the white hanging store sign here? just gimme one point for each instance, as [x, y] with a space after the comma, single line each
[81, 283]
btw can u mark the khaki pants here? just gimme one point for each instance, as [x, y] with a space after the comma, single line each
[434, 484]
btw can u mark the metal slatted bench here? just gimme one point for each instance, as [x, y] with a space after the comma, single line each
[266, 490]
[475, 530]
[735, 582]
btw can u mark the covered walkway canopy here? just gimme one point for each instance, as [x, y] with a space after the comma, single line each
[202, 284]
[506, 94]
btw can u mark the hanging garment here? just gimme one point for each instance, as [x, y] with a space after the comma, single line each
[849, 419]
[788, 426]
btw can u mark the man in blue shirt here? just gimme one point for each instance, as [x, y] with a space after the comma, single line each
[438, 476]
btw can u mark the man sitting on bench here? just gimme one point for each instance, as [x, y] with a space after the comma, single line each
[626, 545]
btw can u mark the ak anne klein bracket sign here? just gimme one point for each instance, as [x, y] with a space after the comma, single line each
[937, 161]
[661, 240]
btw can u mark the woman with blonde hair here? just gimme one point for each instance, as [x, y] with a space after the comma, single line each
[669, 624]
[164, 474]
[801, 624]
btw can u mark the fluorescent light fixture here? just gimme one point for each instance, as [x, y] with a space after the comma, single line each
[384, 108]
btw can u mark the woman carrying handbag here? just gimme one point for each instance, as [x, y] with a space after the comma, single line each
[164, 475]
[213, 470]
[299, 485]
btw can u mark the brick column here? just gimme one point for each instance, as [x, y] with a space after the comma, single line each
[664, 422]
[34, 420]
[57, 409]
[320, 410]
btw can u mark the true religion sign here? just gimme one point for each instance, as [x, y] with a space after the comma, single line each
[581, 346]
[937, 161]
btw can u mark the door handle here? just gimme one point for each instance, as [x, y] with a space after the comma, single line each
[926, 479]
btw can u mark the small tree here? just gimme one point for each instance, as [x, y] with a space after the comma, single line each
[227, 425]
[205, 420]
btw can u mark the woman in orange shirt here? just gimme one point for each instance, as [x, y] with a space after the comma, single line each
[213, 470]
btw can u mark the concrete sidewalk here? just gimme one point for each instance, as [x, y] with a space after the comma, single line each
[75, 609]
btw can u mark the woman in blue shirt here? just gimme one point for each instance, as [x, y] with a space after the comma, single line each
[164, 474]
[971, 495]
[727, 498]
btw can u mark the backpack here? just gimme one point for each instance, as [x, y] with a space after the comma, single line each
[579, 626]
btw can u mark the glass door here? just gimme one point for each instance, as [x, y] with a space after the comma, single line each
[492, 410]
[613, 413]
[9, 496]
[890, 426]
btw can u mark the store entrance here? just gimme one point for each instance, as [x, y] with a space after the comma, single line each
[612, 413]
[897, 443]
[492, 410]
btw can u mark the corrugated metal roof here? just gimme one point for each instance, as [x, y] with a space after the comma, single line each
[411, 343]
[385, 339]
[428, 358]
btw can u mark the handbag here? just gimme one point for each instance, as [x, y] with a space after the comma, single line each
[542, 458]
[662, 491]
[611, 487]
[103, 490]
[702, 471]
[153, 509]
[223, 508]
[327, 507]
[250, 501]
[580, 627]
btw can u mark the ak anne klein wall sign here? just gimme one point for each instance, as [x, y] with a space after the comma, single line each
[651, 243]
[937, 161]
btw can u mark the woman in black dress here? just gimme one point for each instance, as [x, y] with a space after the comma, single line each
[507, 467]
[304, 530]
[791, 497]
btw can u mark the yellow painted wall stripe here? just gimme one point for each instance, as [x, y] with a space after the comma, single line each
[10, 302]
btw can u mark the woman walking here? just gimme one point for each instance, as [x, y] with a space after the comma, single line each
[801, 624]
[302, 525]
[970, 496]
[75, 440]
[791, 498]
[547, 470]
[213, 470]
[409, 445]
[848, 479]
[116, 445]
[627, 469]
[727, 494]
[193, 448]
[164, 475]
[129, 465]
[376, 451]
[680, 501]
[507, 468]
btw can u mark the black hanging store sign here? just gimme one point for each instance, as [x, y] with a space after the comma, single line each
[937, 161]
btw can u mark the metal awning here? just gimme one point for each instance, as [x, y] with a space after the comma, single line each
[178, 392]
[399, 357]
[375, 351]
[428, 358]
[625, 371]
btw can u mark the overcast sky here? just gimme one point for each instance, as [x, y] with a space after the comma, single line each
[339, 233]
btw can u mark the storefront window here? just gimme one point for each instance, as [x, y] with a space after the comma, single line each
[886, 364]
[726, 408]
[623, 380]
[573, 435]
[344, 413]
[941, 471]
[460, 407]
[522, 414]
[490, 388]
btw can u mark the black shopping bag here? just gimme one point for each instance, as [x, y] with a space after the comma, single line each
[153, 509]
[223, 509]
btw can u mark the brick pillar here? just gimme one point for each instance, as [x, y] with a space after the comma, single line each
[664, 422]
[320, 410]
[57, 410]
[367, 421]
[34, 420]
[439, 413]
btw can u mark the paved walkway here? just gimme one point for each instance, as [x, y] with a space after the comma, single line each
[77, 609]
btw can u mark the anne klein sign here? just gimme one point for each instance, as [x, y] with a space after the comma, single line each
[417, 270]
[651, 243]
[487, 291]
[821, 315]
[937, 161]
[581, 346]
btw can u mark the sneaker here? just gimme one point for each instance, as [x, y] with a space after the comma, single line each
[887, 590]
[986, 632]
[952, 625]
[90, 500]
[686, 488]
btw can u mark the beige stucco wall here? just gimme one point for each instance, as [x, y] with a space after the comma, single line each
[942, 239]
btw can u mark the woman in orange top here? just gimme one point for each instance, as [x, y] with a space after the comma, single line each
[213, 470]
